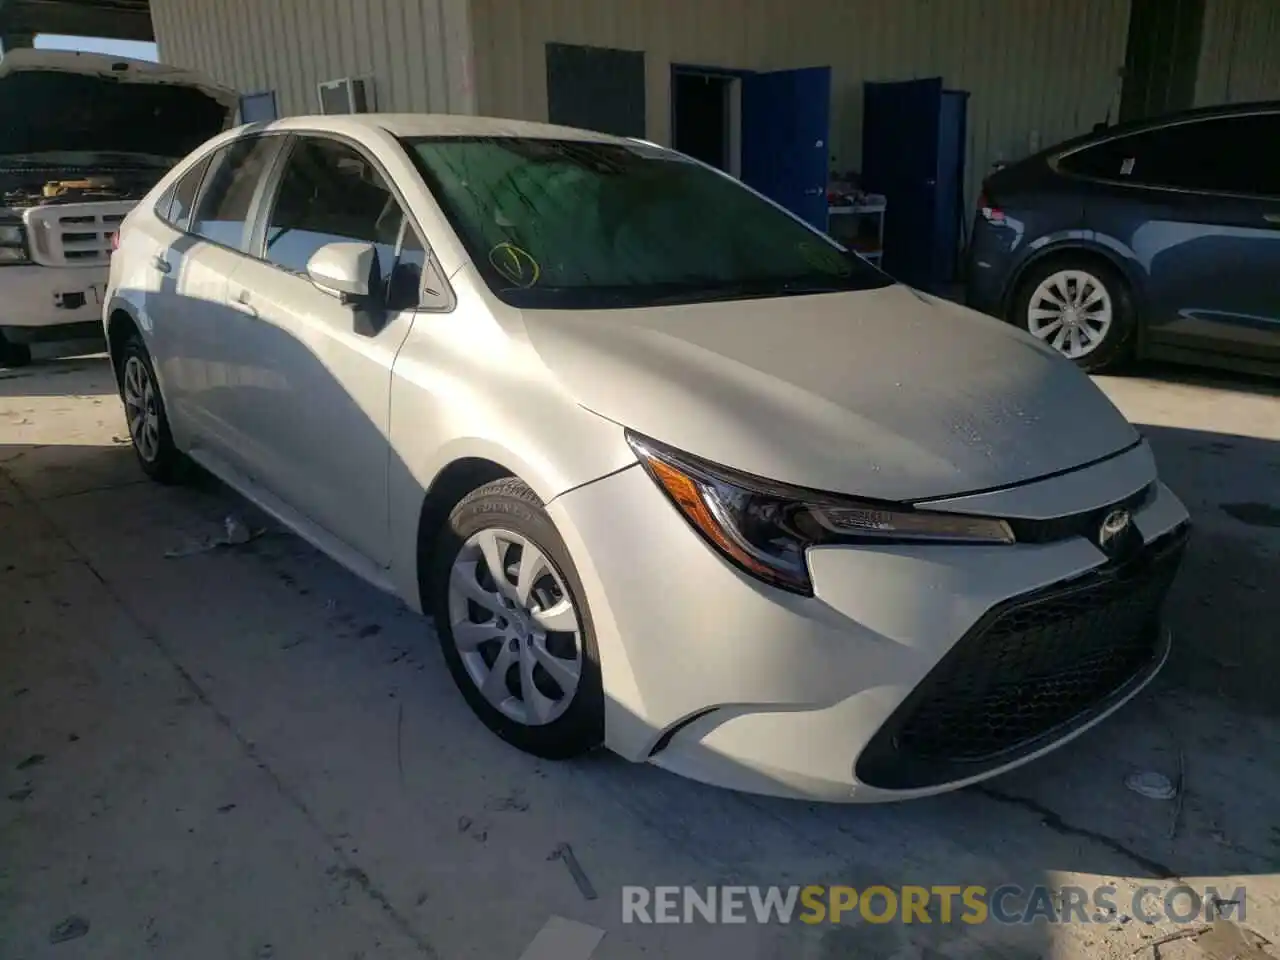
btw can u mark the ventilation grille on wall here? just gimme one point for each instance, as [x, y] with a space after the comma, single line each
[348, 95]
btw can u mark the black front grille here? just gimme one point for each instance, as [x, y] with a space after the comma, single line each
[1027, 673]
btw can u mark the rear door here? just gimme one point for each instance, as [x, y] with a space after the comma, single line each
[160, 263]
[209, 363]
[1198, 204]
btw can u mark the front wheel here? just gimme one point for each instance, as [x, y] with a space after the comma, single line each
[1078, 307]
[514, 625]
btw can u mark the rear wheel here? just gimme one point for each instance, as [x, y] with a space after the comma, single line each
[1079, 307]
[145, 414]
[513, 623]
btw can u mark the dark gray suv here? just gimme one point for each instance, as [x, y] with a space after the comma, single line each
[1159, 238]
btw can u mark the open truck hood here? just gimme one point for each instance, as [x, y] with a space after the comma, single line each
[61, 101]
[882, 394]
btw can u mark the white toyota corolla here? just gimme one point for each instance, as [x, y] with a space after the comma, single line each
[672, 471]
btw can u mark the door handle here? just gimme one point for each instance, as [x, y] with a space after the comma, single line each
[161, 264]
[1272, 218]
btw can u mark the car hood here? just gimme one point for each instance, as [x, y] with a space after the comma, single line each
[55, 100]
[886, 393]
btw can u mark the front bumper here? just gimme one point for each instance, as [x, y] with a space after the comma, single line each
[722, 679]
[49, 298]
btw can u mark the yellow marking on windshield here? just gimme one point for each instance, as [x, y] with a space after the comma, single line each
[516, 264]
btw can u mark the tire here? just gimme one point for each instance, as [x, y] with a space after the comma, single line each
[506, 518]
[159, 458]
[1100, 288]
[14, 354]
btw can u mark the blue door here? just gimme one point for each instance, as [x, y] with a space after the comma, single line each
[901, 142]
[786, 119]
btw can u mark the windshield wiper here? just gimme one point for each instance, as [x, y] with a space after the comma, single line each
[745, 290]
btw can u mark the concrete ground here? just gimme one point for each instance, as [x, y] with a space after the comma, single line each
[246, 753]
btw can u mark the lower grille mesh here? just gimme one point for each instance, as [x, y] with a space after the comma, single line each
[1028, 669]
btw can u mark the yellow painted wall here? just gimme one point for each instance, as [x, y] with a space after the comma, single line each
[1239, 52]
[1038, 70]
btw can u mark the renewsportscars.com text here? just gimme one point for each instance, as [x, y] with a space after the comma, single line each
[971, 904]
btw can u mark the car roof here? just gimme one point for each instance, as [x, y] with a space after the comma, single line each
[1136, 126]
[436, 125]
[1181, 116]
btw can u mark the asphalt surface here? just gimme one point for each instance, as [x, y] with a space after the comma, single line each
[247, 753]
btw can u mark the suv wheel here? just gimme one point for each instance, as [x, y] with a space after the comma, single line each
[514, 625]
[1079, 307]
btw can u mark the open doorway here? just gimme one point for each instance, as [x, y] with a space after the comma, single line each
[706, 117]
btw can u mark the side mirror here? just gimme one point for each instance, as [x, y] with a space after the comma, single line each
[348, 271]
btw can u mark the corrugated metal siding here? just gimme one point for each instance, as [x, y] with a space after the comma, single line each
[416, 51]
[1037, 70]
[1240, 52]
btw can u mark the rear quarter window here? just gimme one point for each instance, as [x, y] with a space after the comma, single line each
[175, 206]
[1227, 155]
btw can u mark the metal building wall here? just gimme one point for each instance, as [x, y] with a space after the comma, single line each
[1038, 70]
[417, 51]
[1240, 52]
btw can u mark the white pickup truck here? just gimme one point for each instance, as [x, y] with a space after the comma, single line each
[82, 138]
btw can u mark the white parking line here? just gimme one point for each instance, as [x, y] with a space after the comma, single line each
[562, 939]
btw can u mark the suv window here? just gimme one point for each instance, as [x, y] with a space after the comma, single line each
[234, 173]
[176, 208]
[330, 193]
[1217, 155]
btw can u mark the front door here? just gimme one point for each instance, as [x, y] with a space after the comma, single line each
[786, 119]
[324, 367]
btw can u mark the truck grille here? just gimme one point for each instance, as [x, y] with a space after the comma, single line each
[73, 234]
[1029, 672]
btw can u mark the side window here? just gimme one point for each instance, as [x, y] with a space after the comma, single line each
[329, 193]
[234, 173]
[1105, 160]
[1247, 154]
[182, 196]
[1218, 155]
[404, 286]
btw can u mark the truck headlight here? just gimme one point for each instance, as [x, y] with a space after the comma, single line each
[13, 243]
[765, 528]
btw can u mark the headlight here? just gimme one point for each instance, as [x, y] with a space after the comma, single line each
[765, 528]
[13, 243]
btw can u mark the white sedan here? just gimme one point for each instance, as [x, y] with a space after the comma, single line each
[673, 472]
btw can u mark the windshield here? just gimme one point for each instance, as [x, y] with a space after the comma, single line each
[567, 224]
